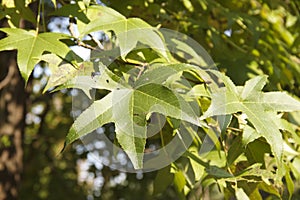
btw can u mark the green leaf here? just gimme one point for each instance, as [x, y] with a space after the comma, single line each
[179, 183]
[197, 168]
[25, 11]
[98, 114]
[249, 135]
[128, 109]
[160, 73]
[235, 150]
[256, 150]
[162, 180]
[294, 166]
[128, 31]
[14, 11]
[199, 91]
[212, 170]
[241, 195]
[72, 10]
[131, 106]
[254, 170]
[252, 86]
[269, 188]
[86, 80]
[290, 127]
[31, 46]
[60, 72]
[289, 182]
[182, 46]
[217, 172]
[258, 106]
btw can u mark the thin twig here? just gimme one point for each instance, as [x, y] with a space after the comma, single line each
[43, 19]
[72, 22]
[38, 18]
[82, 44]
[97, 42]
[142, 69]
[234, 129]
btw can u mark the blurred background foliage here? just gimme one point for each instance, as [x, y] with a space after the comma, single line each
[245, 38]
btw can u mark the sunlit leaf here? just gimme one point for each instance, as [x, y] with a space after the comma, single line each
[289, 182]
[128, 108]
[128, 31]
[31, 46]
[258, 106]
[241, 195]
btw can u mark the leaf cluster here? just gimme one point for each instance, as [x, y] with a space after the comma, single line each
[246, 140]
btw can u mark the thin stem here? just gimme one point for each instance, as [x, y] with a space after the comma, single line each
[163, 144]
[38, 18]
[234, 129]
[162, 138]
[80, 43]
[97, 42]
[43, 11]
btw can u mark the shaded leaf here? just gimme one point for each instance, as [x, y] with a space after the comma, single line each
[256, 150]
[235, 150]
[87, 76]
[212, 170]
[72, 10]
[163, 179]
[269, 188]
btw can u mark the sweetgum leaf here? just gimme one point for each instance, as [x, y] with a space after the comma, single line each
[257, 105]
[65, 75]
[128, 109]
[31, 46]
[128, 31]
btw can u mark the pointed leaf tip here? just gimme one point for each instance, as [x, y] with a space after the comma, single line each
[27, 56]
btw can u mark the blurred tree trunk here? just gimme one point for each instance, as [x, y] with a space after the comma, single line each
[12, 123]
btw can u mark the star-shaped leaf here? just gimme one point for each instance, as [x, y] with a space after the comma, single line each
[259, 107]
[128, 31]
[31, 46]
[128, 108]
